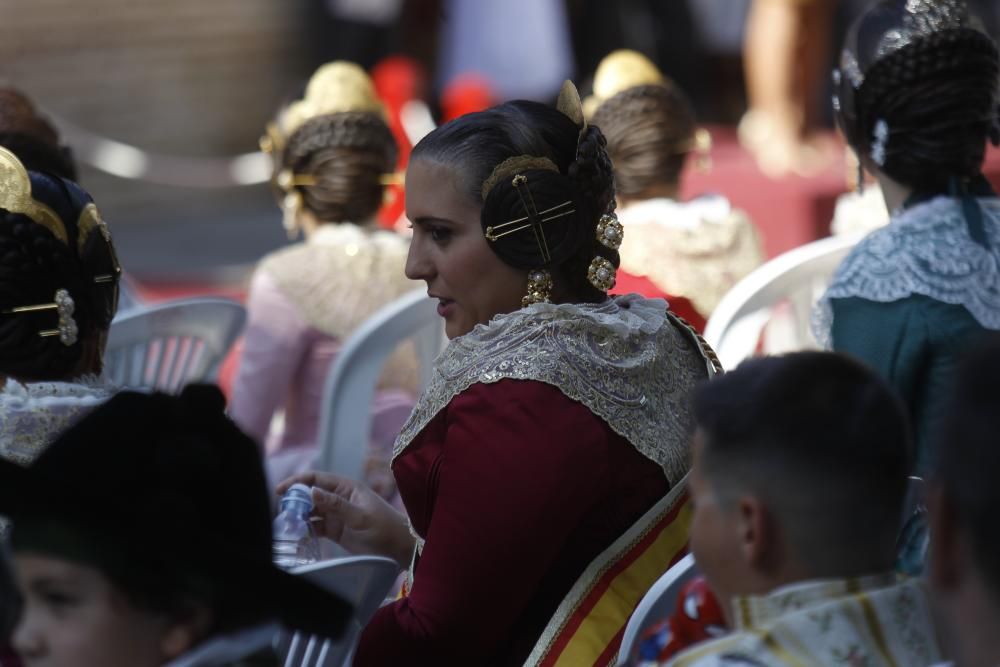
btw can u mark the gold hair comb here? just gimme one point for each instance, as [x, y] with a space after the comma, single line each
[15, 196]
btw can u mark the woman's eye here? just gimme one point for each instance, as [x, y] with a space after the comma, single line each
[440, 234]
[58, 600]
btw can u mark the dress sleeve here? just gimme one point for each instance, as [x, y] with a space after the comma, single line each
[521, 466]
[273, 346]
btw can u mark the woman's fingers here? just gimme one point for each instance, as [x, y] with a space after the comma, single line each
[322, 480]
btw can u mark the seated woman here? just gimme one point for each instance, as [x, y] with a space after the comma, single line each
[916, 96]
[58, 294]
[143, 533]
[696, 249]
[333, 156]
[543, 469]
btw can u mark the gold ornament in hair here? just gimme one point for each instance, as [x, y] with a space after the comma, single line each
[90, 221]
[15, 196]
[64, 306]
[336, 87]
[515, 165]
[610, 231]
[619, 71]
[570, 105]
[601, 273]
[534, 220]
[539, 288]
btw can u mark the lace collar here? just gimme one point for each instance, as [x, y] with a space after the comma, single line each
[32, 414]
[625, 359]
[925, 250]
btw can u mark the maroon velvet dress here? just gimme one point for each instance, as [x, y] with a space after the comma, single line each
[516, 489]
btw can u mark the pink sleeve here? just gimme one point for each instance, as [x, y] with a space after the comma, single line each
[274, 343]
[518, 473]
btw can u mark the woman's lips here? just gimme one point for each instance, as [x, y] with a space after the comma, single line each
[445, 307]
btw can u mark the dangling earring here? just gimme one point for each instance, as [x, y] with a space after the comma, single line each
[539, 287]
[290, 207]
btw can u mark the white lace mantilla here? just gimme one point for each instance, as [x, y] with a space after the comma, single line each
[34, 413]
[624, 359]
[924, 250]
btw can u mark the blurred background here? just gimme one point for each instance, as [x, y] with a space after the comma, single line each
[164, 102]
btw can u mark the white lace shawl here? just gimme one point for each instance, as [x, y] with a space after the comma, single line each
[624, 359]
[34, 413]
[924, 250]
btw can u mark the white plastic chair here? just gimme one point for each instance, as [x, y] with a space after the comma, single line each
[350, 387]
[363, 581]
[655, 605]
[796, 278]
[167, 346]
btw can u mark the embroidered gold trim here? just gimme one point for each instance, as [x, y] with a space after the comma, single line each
[514, 165]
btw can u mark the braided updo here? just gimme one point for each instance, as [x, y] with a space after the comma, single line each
[34, 264]
[938, 98]
[650, 130]
[474, 144]
[347, 154]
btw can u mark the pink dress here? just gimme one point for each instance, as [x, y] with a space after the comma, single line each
[304, 301]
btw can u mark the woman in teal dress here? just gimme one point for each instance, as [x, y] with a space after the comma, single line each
[916, 94]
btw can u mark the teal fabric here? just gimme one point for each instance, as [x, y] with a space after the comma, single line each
[915, 344]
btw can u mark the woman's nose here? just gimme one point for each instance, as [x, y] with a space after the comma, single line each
[418, 264]
[26, 639]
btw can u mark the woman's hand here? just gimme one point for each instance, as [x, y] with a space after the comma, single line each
[355, 517]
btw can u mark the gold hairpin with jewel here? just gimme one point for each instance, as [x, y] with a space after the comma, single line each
[64, 306]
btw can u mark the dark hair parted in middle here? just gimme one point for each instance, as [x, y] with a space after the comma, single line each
[475, 144]
[650, 131]
[824, 441]
[348, 154]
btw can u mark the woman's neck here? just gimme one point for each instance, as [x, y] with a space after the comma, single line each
[894, 193]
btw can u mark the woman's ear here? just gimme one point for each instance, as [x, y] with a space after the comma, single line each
[186, 631]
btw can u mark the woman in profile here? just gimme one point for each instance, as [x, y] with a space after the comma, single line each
[555, 430]
[333, 157]
[916, 96]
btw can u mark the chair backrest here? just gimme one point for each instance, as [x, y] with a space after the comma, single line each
[655, 605]
[364, 581]
[345, 423]
[169, 345]
[796, 279]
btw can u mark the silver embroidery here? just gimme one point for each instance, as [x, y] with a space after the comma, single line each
[623, 359]
[924, 250]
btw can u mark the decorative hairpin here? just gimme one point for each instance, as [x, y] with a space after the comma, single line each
[601, 274]
[286, 180]
[881, 133]
[63, 305]
[89, 221]
[15, 196]
[610, 231]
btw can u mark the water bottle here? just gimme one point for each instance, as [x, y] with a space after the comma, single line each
[294, 541]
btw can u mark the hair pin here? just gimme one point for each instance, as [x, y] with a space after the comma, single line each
[63, 304]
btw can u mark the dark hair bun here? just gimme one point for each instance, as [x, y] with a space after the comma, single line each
[558, 211]
[938, 97]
